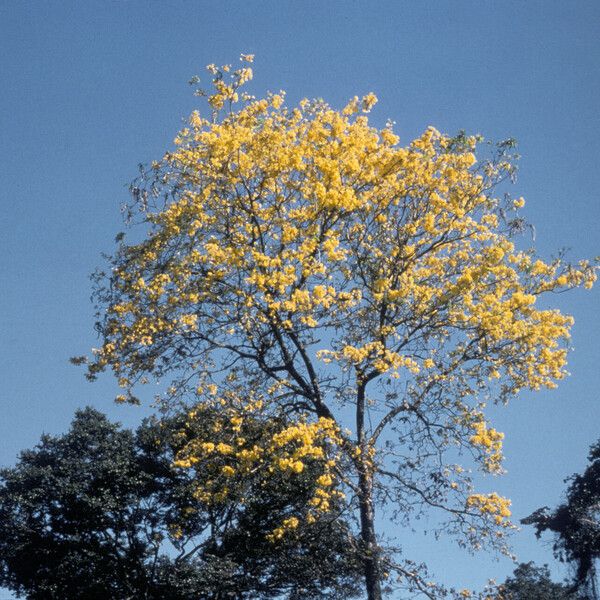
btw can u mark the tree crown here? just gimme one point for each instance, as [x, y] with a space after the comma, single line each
[305, 255]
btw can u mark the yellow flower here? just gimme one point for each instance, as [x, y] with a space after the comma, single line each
[368, 102]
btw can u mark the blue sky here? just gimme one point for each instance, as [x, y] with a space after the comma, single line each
[90, 89]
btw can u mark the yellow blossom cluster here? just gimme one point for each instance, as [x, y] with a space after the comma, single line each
[227, 92]
[491, 504]
[252, 446]
[486, 439]
[374, 354]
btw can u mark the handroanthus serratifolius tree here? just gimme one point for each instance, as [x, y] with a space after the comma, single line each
[300, 260]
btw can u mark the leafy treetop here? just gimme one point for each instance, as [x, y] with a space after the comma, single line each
[576, 525]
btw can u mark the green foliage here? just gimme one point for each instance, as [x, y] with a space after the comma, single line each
[71, 514]
[530, 582]
[576, 525]
[100, 513]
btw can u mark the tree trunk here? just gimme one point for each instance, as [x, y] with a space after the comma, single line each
[367, 527]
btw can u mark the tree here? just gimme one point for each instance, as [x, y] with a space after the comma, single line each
[72, 518]
[530, 582]
[91, 514]
[576, 525]
[302, 257]
[235, 515]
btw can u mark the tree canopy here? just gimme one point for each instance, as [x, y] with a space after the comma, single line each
[299, 262]
[529, 582]
[576, 525]
[100, 512]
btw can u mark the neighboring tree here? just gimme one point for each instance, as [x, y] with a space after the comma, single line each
[576, 525]
[530, 582]
[100, 513]
[235, 514]
[73, 523]
[298, 262]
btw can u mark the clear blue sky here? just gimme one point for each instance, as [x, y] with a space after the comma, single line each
[89, 89]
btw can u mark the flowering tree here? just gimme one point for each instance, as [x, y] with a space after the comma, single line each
[300, 261]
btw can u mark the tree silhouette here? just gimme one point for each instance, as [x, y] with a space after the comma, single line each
[576, 525]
